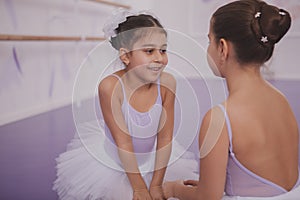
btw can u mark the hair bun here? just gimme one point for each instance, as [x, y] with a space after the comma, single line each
[274, 22]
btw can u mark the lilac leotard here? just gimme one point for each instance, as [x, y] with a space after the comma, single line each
[142, 126]
[240, 181]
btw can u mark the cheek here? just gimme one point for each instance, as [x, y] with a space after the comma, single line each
[211, 60]
[140, 61]
[165, 60]
[209, 57]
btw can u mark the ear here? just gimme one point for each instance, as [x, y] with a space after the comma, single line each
[223, 49]
[123, 53]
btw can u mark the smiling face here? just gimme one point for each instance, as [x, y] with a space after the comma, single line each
[148, 57]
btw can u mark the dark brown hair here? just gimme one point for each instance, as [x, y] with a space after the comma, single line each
[133, 29]
[253, 26]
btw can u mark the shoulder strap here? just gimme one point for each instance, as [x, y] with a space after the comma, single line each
[229, 130]
[158, 90]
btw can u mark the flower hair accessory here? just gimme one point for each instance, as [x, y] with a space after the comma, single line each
[119, 16]
[257, 15]
[282, 13]
[264, 39]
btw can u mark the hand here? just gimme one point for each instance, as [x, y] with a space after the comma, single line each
[193, 183]
[169, 188]
[156, 193]
[141, 194]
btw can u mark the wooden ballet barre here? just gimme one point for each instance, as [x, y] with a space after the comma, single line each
[111, 3]
[7, 37]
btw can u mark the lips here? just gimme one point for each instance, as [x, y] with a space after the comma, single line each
[155, 68]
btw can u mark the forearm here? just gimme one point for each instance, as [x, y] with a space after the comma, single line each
[136, 181]
[129, 162]
[184, 192]
[158, 177]
[163, 153]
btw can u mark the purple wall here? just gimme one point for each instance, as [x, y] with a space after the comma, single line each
[28, 147]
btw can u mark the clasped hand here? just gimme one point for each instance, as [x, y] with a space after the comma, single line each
[169, 187]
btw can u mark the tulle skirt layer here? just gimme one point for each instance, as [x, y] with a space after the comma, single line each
[86, 171]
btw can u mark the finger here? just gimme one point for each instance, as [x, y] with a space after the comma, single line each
[191, 182]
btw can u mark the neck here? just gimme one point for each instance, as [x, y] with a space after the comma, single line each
[243, 78]
[133, 82]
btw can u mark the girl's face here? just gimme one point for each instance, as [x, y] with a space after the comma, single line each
[149, 56]
[212, 53]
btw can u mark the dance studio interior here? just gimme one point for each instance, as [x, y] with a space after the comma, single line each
[53, 54]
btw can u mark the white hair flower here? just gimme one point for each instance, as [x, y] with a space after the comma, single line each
[119, 16]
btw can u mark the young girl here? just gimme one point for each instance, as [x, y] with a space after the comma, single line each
[129, 160]
[254, 139]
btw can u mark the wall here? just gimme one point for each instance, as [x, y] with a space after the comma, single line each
[36, 77]
[192, 18]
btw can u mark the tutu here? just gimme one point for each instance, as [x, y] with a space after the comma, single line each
[86, 171]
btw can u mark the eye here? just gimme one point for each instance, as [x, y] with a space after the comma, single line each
[163, 51]
[149, 51]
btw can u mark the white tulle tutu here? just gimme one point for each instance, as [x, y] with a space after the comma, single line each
[82, 174]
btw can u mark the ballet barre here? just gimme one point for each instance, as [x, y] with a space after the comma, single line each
[110, 3]
[7, 37]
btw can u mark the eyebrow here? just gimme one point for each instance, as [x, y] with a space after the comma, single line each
[153, 45]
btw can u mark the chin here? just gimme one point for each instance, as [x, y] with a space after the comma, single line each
[152, 78]
[215, 70]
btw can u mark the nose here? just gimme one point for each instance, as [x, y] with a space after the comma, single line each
[158, 57]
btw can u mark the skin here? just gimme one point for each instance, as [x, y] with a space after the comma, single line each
[144, 65]
[265, 132]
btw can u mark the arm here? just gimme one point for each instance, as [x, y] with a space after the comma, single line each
[213, 133]
[111, 108]
[165, 133]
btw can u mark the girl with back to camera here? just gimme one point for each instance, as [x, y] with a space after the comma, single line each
[137, 103]
[248, 144]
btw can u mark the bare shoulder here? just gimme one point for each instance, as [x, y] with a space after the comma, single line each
[213, 121]
[107, 85]
[215, 114]
[213, 131]
[167, 80]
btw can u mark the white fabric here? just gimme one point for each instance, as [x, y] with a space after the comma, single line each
[81, 175]
[119, 16]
